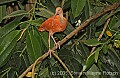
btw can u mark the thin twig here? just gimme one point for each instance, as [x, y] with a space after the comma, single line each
[83, 25]
[66, 15]
[100, 36]
[104, 28]
[63, 64]
[22, 33]
[37, 62]
[63, 1]
[31, 66]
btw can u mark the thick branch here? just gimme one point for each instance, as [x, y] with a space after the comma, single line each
[84, 24]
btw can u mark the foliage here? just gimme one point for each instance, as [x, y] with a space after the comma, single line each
[21, 43]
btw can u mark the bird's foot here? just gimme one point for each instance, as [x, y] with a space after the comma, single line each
[50, 52]
[57, 44]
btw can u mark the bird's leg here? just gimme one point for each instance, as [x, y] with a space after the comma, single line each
[57, 44]
[49, 44]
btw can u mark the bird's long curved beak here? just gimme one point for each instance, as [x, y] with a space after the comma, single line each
[54, 18]
[56, 13]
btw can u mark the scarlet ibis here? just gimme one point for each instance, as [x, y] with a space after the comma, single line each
[56, 23]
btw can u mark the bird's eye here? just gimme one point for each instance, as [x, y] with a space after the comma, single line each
[59, 10]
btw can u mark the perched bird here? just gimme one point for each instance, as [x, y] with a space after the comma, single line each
[56, 23]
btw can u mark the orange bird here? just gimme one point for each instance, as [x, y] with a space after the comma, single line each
[56, 23]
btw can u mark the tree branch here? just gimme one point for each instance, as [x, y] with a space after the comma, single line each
[100, 36]
[83, 25]
[62, 64]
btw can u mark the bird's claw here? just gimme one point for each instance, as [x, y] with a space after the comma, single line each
[57, 44]
[50, 51]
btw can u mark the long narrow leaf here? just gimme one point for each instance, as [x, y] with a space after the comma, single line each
[97, 53]
[7, 45]
[77, 6]
[33, 45]
[2, 12]
[9, 27]
[92, 42]
[16, 13]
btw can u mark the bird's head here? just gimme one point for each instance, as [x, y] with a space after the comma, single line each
[41, 29]
[58, 11]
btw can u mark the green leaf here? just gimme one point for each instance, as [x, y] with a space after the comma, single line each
[112, 1]
[36, 22]
[34, 47]
[70, 60]
[55, 2]
[16, 13]
[44, 36]
[113, 20]
[97, 53]
[114, 51]
[44, 73]
[7, 45]
[117, 10]
[45, 13]
[6, 1]
[5, 70]
[114, 58]
[65, 53]
[9, 27]
[92, 42]
[87, 9]
[102, 20]
[77, 6]
[67, 5]
[93, 57]
[83, 49]
[2, 12]
[52, 61]
[69, 29]
[93, 72]
[90, 61]
[116, 25]
[105, 49]
[50, 6]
